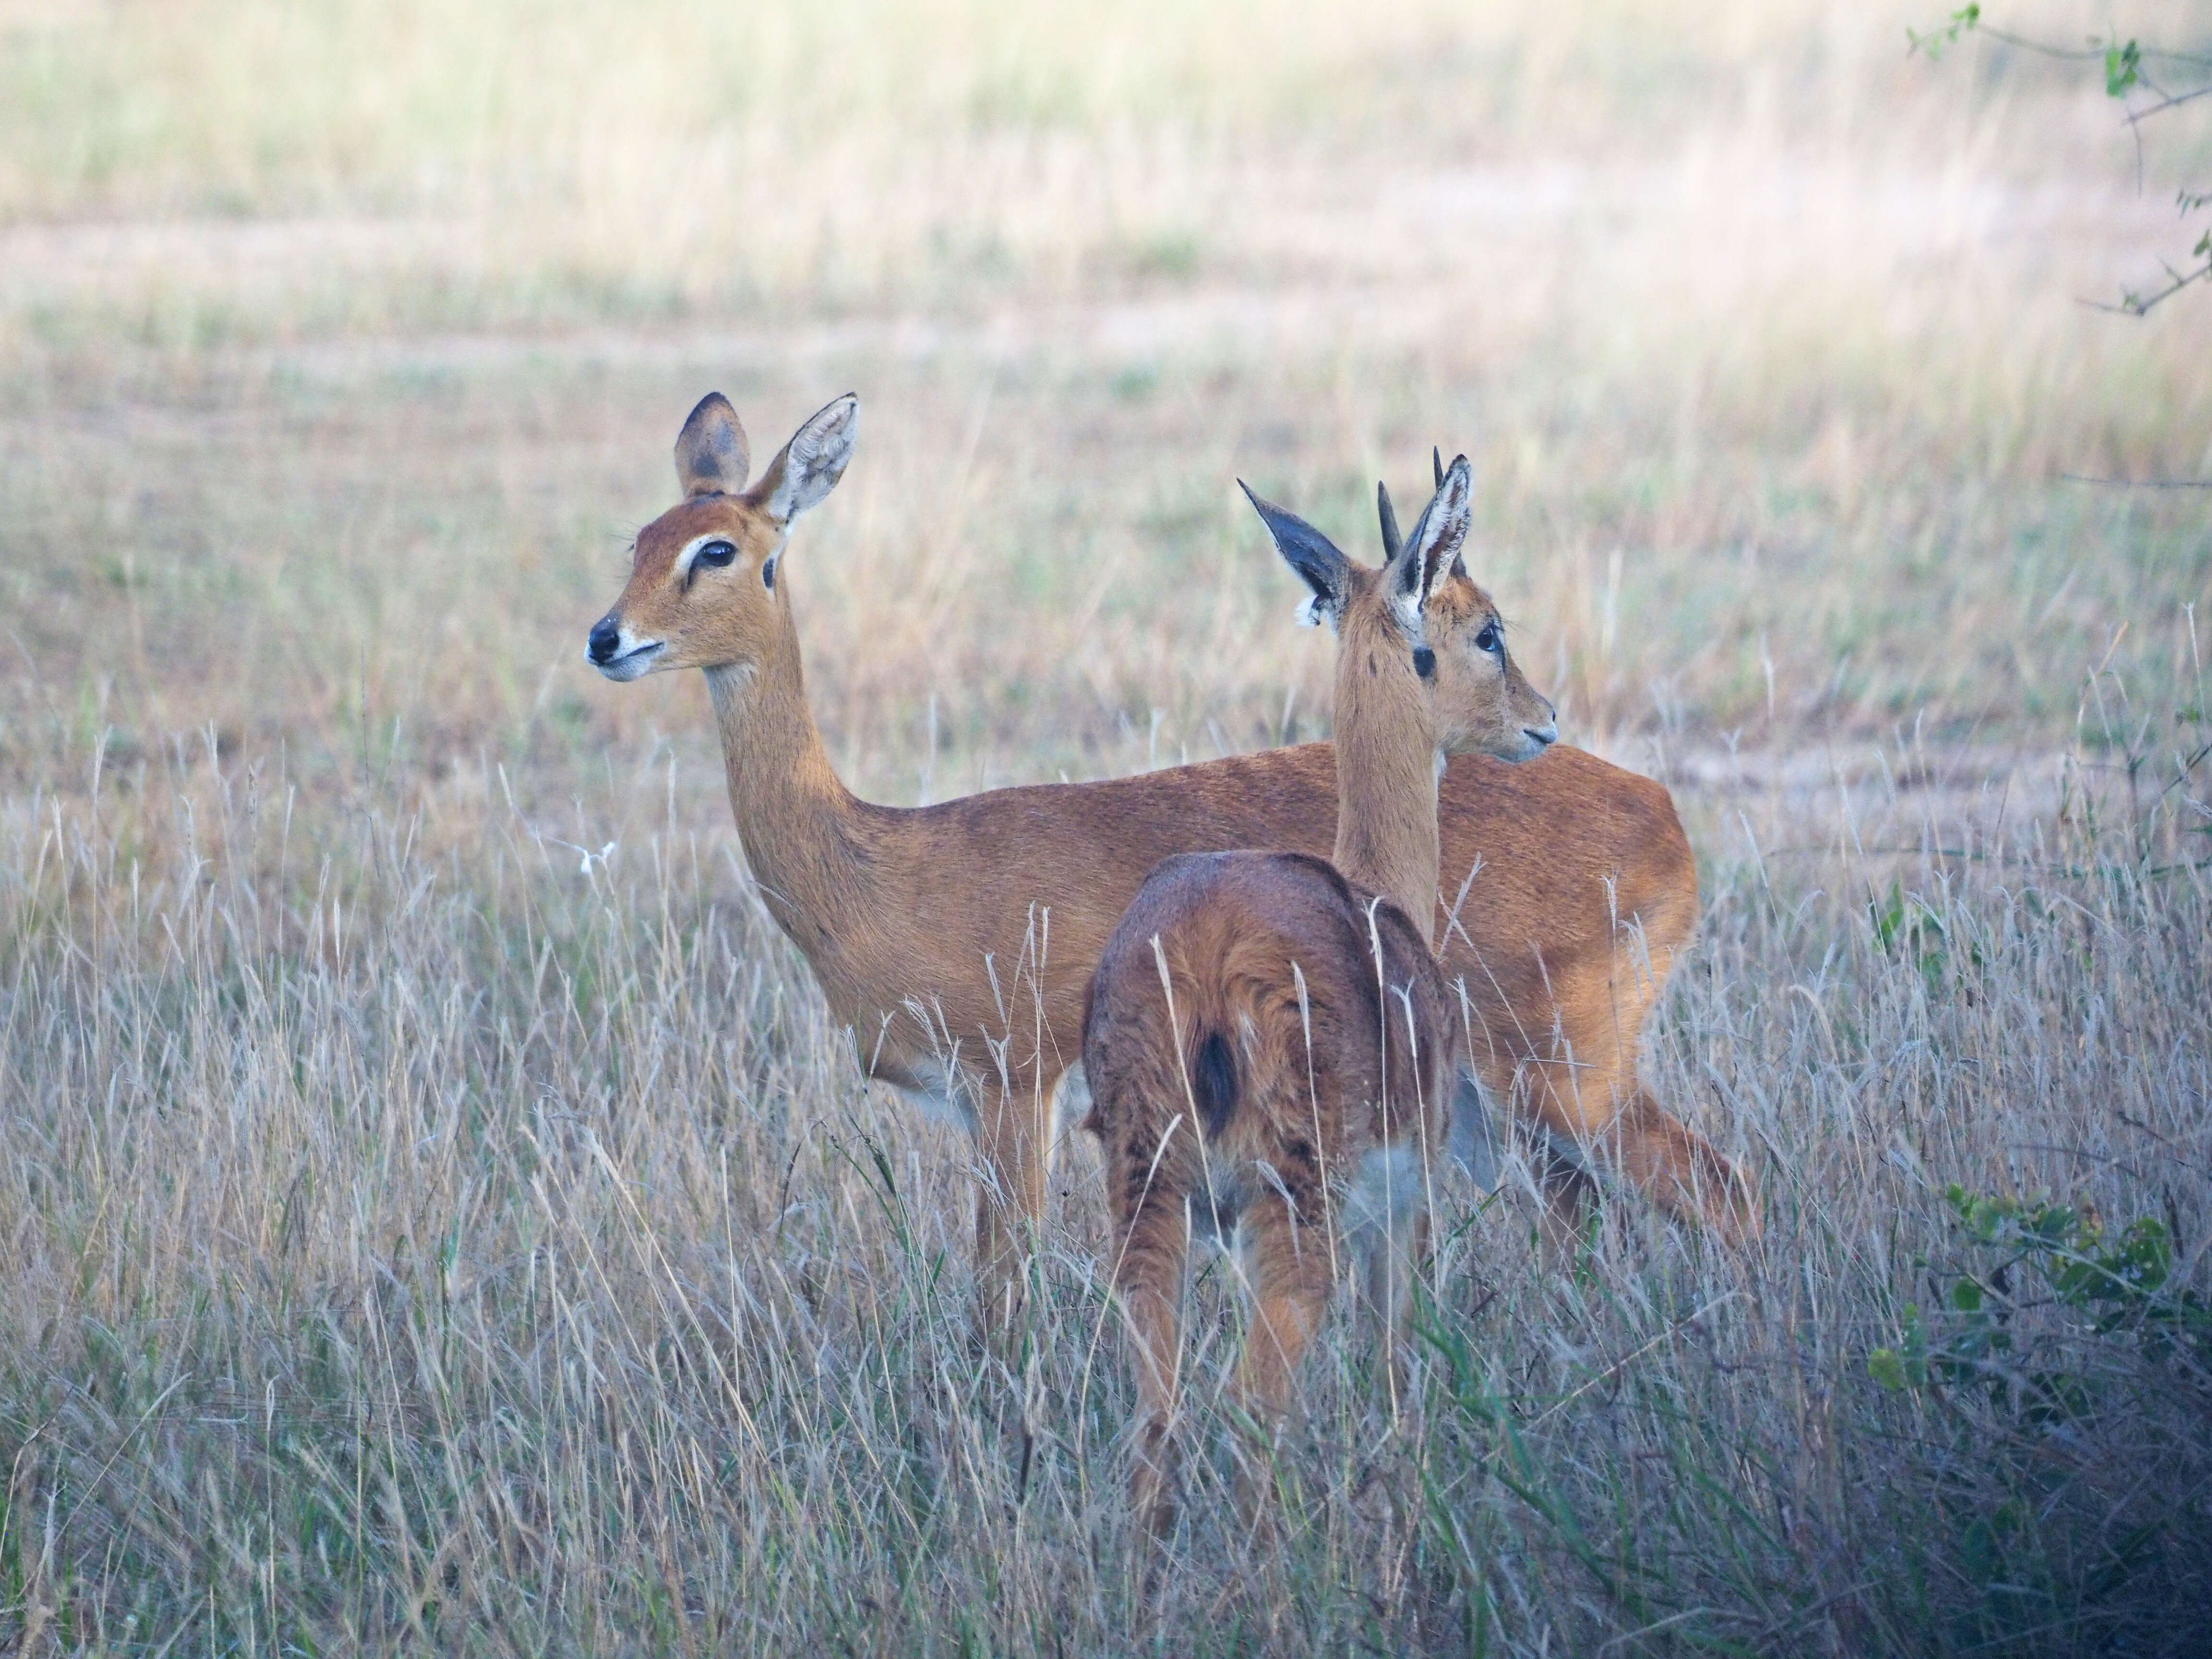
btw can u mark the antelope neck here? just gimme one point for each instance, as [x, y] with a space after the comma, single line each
[794, 816]
[1385, 786]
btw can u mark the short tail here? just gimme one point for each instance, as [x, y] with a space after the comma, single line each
[1213, 1083]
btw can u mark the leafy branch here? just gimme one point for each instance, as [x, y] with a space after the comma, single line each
[2116, 1290]
[2133, 73]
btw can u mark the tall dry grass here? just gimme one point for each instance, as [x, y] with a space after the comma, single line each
[496, 1249]
[416, 1232]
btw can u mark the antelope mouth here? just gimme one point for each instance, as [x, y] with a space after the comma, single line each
[633, 662]
[1535, 740]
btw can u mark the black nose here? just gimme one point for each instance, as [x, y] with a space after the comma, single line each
[604, 637]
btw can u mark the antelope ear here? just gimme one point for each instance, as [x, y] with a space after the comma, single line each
[1312, 555]
[808, 467]
[712, 456]
[1436, 460]
[1433, 548]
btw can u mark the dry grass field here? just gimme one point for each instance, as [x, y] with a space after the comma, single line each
[436, 1211]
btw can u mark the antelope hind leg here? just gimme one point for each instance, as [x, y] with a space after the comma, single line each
[1685, 1172]
[1287, 1265]
[1149, 1282]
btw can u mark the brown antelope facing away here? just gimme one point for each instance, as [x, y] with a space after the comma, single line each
[1270, 1044]
[958, 940]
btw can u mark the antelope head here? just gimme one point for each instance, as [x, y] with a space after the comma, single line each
[1422, 619]
[703, 591]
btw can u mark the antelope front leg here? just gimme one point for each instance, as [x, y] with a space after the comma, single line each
[1009, 1205]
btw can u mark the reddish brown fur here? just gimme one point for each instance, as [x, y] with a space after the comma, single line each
[1322, 1077]
[1586, 889]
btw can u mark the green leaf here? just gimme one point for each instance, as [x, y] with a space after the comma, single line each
[2122, 69]
[1935, 40]
[1887, 1367]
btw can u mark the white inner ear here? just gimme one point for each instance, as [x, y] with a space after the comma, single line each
[788, 500]
[813, 462]
[1312, 612]
[1407, 607]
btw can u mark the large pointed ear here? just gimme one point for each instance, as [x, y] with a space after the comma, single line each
[1436, 460]
[1433, 548]
[1312, 555]
[809, 466]
[712, 456]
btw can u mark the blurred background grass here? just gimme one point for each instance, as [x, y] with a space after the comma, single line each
[327, 326]
[341, 348]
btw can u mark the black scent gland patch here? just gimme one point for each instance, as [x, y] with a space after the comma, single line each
[1425, 662]
[1214, 1084]
[768, 573]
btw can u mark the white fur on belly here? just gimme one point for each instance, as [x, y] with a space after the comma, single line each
[942, 1094]
[939, 1094]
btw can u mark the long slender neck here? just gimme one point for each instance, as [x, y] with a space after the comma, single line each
[1386, 788]
[793, 813]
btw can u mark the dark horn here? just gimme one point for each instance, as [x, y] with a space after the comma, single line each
[1391, 541]
[1437, 460]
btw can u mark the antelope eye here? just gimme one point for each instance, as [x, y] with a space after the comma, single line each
[1488, 639]
[714, 554]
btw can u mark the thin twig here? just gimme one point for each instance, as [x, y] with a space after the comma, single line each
[2135, 483]
[2137, 116]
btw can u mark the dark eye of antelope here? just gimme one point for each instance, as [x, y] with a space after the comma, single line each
[1490, 640]
[714, 556]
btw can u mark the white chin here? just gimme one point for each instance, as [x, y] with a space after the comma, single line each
[637, 662]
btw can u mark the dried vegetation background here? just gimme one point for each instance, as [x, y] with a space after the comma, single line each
[433, 1209]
